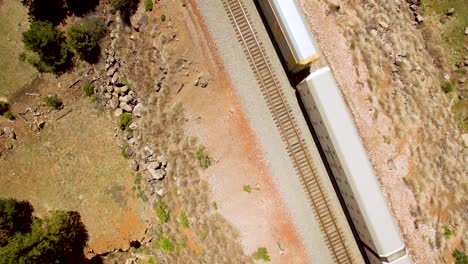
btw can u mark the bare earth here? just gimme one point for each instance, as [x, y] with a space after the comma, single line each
[402, 115]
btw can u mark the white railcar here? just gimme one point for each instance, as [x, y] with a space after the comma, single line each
[351, 168]
[290, 32]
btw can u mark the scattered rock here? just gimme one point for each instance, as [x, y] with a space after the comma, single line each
[414, 7]
[160, 192]
[203, 81]
[126, 107]
[41, 125]
[124, 89]
[132, 37]
[466, 30]
[419, 18]
[138, 110]
[114, 102]
[383, 24]
[447, 76]
[8, 145]
[179, 192]
[110, 88]
[398, 61]
[9, 132]
[462, 80]
[133, 126]
[118, 112]
[128, 151]
[111, 71]
[450, 11]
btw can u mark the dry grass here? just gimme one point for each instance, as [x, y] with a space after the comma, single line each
[410, 95]
[14, 73]
[210, 239]
[75, 165]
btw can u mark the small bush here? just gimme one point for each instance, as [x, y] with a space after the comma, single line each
[203, 158]
[460, 257]
[8, 115]
[151, 260]
[163, 17]
[183, 220]
[215, 205]
[165, 244]
[448, 87]
[120, 4]
[247, 188]
[22, 56]
[202, 234]
[123, 151]
[447, 232]
[125, 121]
[53, 101]
[148, 5]
[162, 212]
[83, 37]
[261, 254]
[4, 107]
[88, 89]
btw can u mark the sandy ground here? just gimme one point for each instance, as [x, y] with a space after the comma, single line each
[399, 113]
[261, 216]
[269, 149]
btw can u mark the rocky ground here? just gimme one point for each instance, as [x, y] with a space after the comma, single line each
[392, 82]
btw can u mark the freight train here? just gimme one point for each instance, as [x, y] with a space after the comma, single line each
[331, 120]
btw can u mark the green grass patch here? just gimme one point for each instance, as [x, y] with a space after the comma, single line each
[215, 205]
[163, 17]
[88, 90]
[165, 244]
[447, 232]
[448, 87]
[8, 115]
[460, 257]
[53, 101]
[123, 151]
[162, 212]
[125, 121]
[247, 188]
[151, 260]
[451, 28]
[202, 234]
[204, 160]
[261, 254]
[148, 5]
[183, 220]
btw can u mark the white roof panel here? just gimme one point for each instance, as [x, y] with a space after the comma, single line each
[296, 32]
[354, 160]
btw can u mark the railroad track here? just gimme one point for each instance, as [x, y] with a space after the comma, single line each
[289, 131]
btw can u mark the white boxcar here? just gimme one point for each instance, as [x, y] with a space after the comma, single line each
[351, 168]
[290, 32]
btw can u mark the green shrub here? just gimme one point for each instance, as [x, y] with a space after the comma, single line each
[162, 212]
[123, 151]
[8, 115]
[247, 188]
[4, 107]
[22, 56]
[53, 101]
[88, 89]
[203, 158]
[165, 244]
[460, 257]
[202, 234]
[448, 87]
[120, 4]
[148, 5]
[125, 121]
[151, 260]
[261, 254]
[447, 232]
[83, 37]
[163, 17]
[183, 220]
[215, 205]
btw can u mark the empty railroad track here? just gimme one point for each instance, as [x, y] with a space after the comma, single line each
[289, 131]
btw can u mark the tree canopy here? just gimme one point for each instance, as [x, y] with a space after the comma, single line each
[49, 45]
[58, 238]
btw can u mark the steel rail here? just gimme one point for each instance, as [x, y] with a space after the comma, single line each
[289, 131]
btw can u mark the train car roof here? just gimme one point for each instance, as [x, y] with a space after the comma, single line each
[352, 155]
[297, 34]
